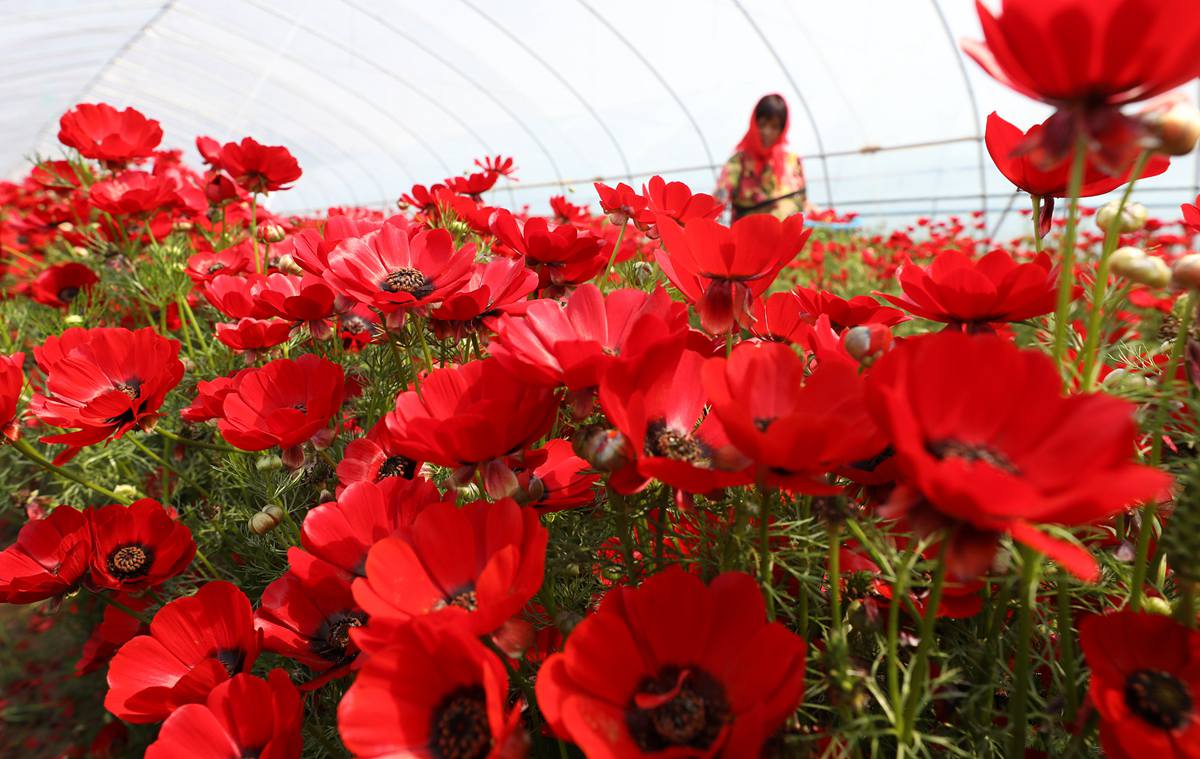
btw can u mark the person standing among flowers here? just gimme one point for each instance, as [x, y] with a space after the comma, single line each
[763, 176]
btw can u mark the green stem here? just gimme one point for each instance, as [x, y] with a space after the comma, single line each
[419, 328]
[764, 548]
[1066, 645]
[1037, 227]
[139, 616]
[1185, 606]
[28, 451]
[1081, 736]
[1031, 566]
[613, 257]
[194, 443]
[919, 670]
[621, 511]
[1066, 266]
[259, 264]
[161, 462]
[802, 612]
[899, 591]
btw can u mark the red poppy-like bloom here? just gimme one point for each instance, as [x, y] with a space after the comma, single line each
[253, 334]
[436, 692]
[723, 269]
[959, 290]
[99, 131]
[655, 400]
[137, 546]
[48, 559]
[283, 403]
[104, 381]
[475, 566]
[388, 269]
[132, 193]
[560, 254]
[298, 299]
[244, 716]
[60, 284]
[492, 286]
[674, 668]
[12, 381]
[1145, 684]
[474, 185]
[307, 614]
[116, 628]
[676, 201]
[195, 643]
[982, 460]
[780, 317]
[621, 203]
[469, 415]
[795, 428]
[210, 398]
[1191, 215]
[843, 313]
[373, 458]
[342, 532]
[555, 344]
[203, 267]
[259, 168]
[561, 481]
[236, 296]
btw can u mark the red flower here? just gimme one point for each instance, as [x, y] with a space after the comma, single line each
[244, 716]
[116, 628]
[297, 299]
[389, 270]
[795, 428]
[494, 285]
[259, 168]
[676, 201]
[283, 403]
[566, 212]
[12, 381]
[205, 266]
[958, 290]
[497, 164]
[49, 558]
[1191, 215]
[780, 317]
[373, 458]
[674, 668]
[474, 185]
[723, 269]
[843, 313]
[474, 566]
[195, 643]
[561, 255]
[253, 334]
[236, 296]
[1145, 684]
[132, 193]
[105, 381]
[137, 546]
[982, 459]
[99, 131]
[562, 481]
[210, 398]
[435, 692]
[60, 284]
[620, 203]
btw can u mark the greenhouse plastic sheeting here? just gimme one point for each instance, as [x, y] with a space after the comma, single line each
[374, 96]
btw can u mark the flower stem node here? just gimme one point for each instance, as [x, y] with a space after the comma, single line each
[1132, 217]
[1185, 274]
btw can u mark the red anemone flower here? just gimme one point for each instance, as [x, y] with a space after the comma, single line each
[60, 284]
[137, 546]
[474, 566]
[259, 168]
[132, 193]
[674, 668]
[210, 398]
[982, 460]
[780, 317]
[195, 643]
[236, 296]
[796, 428]
[620, 203]
[104, 381]
[388, 269]
[1145, 684]
[116, 628]
[203, 267]
[843, 313]
[373, 458]
[493, 286]
[99, 131]
[560, 254]
[723, 269]
[283, 403]
[12, 381]
[676, 201]
[561, 481]
[48, 559]
[474, 185]
[253, 334]
[436, 692]
[298, 299]
[244, 716]
[958, 290]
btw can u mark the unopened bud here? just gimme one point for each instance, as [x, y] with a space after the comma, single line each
[1157, 605]
[1177, 128]
[642, 272]
[265, 463]
[126, 493]
[606, 450]
[867, 342]
[275, 511]
[1123, 379]
[1133, 217]
[183, 226]
[73, 320]
[261, 523]
[271, 233]
[1152, 272]
[1186, 272]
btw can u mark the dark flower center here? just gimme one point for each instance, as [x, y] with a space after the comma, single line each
[131, 387]
[301, 407]
[68, 294]
[460, 726]
[951, 448]
[1159, 698]
[663, 441]
[464, 599]
[397, 466]
[214, 267]
[407, 280]
[679, 707]
[130, 561]
[233, 659]
[333, 637]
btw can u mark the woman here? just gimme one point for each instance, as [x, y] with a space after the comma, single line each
[763, 176]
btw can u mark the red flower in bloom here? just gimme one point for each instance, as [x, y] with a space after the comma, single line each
[388, 269]
[473, 185]
[116, 628]
[137, 546]
[469, 415]
[342, 532]
[307, 614]
[494, 285]
[204, 267]
[195, 643]
[283, 403]
[562, 481]
[674, 668]
[858, 310]
[421, 197]
[984, 460]
[298, 299]
[1145, 684]
[49, 558]
[61, 284]
[497, 164]
[210, 150]
[12, 381]
[561, 255]
[655, 400]
[675, 200]
[474, 566]
[620, 203]
[780, 317]
[795, 428]
[572, 344]
[259, 168]
[373, 458]
[253, 334]
[722, 269]
[1191, 215]
[132, 193]
[99, 131]
[972, 293]
[105, 381]
[566, 212]
[244, 716]
[210, 398]
[236, 296]
[436, 692]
